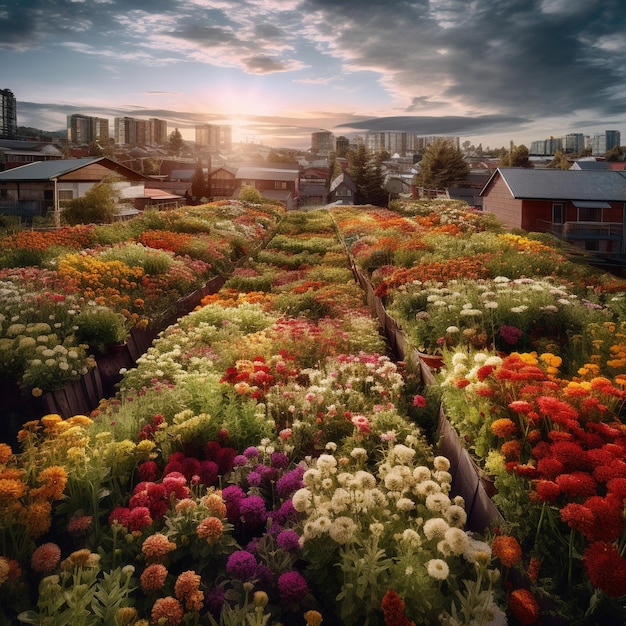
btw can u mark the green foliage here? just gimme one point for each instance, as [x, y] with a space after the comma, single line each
[250, 194]
[367, 176]
[99, 205]
[175, 142]
[100, 327]
[517, 156]
[441, 165]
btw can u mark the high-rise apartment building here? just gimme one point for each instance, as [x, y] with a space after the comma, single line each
[574, 142]
[603, 142]
[157, 132]
[214, 136]
[322, 142]
[8, 115]
[83, 129]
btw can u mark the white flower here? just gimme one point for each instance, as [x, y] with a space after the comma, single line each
[456, 515]
[451, 330]
[301, 500]
[421, 473]
[364, 480]
[437, 502]
[405, 504]
[435, 528]
[438, 569]
[342, 530]
[411, 538]
[427, 488]
[403, 453]
[441, 463]
[457, 539]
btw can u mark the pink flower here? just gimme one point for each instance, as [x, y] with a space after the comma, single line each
[419, 401]
[46, 557]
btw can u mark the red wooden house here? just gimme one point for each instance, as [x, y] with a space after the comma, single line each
[587, 208]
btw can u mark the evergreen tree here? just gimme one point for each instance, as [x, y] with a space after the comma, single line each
[441, 165]
[176, 142]
[517, 156]
[367, 177]
[198, 183]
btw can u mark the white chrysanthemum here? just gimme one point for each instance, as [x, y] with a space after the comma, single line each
[441, 463]
[435, 528]
[452, 330]
[358, 454]
[476, 547]
[309, 531]
[438, 569]
[411, 538]
[312, 477]
[443, 477]
[364, 480]
[493, 360]
[342, 530]
[403, 453]
[394, 481]
[437, 502]
[345, 478]
[456, 515]
[421, 473]
[457, 539]
[301, 500]
[405, 504]
[340, 500]
[327, 464]
[328, 484]
[322, 524]
[427, 488]
[443, 547]
[377, 529]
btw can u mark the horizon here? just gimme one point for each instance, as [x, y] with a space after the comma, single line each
[485, 71]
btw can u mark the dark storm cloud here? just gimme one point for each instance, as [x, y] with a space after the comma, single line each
[519, 57]
[439, 125]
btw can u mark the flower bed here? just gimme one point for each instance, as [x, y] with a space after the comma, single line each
[261, 463]
[55, 287]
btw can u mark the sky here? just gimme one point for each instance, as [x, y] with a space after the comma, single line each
[487, 71]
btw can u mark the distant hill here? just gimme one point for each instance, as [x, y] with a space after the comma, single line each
[36, 133]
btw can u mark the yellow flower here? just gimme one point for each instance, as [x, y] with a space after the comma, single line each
[4, 569]
[313, 618]
[54, 479]
[79, 420]
[38, 517]
[5, 453]
[37, 392]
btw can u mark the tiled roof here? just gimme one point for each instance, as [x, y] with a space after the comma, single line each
[541, 184]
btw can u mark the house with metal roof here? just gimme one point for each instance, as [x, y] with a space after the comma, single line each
[275, 181]
[39, 188]
[342, 190]
[587, 208]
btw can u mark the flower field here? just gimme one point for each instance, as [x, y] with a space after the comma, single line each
[267, 461]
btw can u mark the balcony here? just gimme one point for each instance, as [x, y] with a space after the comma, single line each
[572, 231]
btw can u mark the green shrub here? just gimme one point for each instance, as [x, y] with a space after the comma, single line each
[100, 327]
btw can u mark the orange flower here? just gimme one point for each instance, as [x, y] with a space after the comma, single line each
[215, 504]
[156, 547]
[39, 517]
[153, 577]
[54, 479]
[211, 529]
[523, 606]
[5, 453]
[507, 549]
[504, 428]
[11, 488]
[167, 612]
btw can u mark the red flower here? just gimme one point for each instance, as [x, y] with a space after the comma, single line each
[576, 484]
[393, 610]
[578, 517]
[547, 491]
[606, 568]
[523, 606]
[608, 517]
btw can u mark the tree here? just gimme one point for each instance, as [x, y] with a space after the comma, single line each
[560, 161]
[176, 142]
[367, 177]
[615, 154]
[441, 165]
[98, 206]
[517, 156]
[198, 182]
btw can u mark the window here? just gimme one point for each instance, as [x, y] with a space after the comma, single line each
[592, 246]
[66, 194]
[558, 215]
[589, 215]
[280, 184]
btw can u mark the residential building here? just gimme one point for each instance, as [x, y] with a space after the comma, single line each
[322, 142]
[157, 132]
[8, 115]
[277, 181]
[342, 190]
[215, 137]
[603, 142]
[83, 129]
[39, 188]
[125, 130]
[14, 153]
[585, 207]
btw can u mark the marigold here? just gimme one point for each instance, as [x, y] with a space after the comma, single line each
[211, 529]
[215, 504]
[504, 428]
[53, 479]
[38, 517]
[507, 549]
[11, 488]
[167, 612]
[5, 453]
[156, 547]
[523, 606]
[153, 577]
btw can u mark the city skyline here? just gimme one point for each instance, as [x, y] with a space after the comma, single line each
[488, 71]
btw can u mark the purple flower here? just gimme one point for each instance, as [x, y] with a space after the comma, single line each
[241, 565]
[251, 452]
[254, 479]
[286, 513]
[263, 576]
[252, 511]
[232, 496]
[290, 482]
[510, 334]
[215, 601]
[279, 460]
[288, 540]
[240, 461]
[292, 587]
